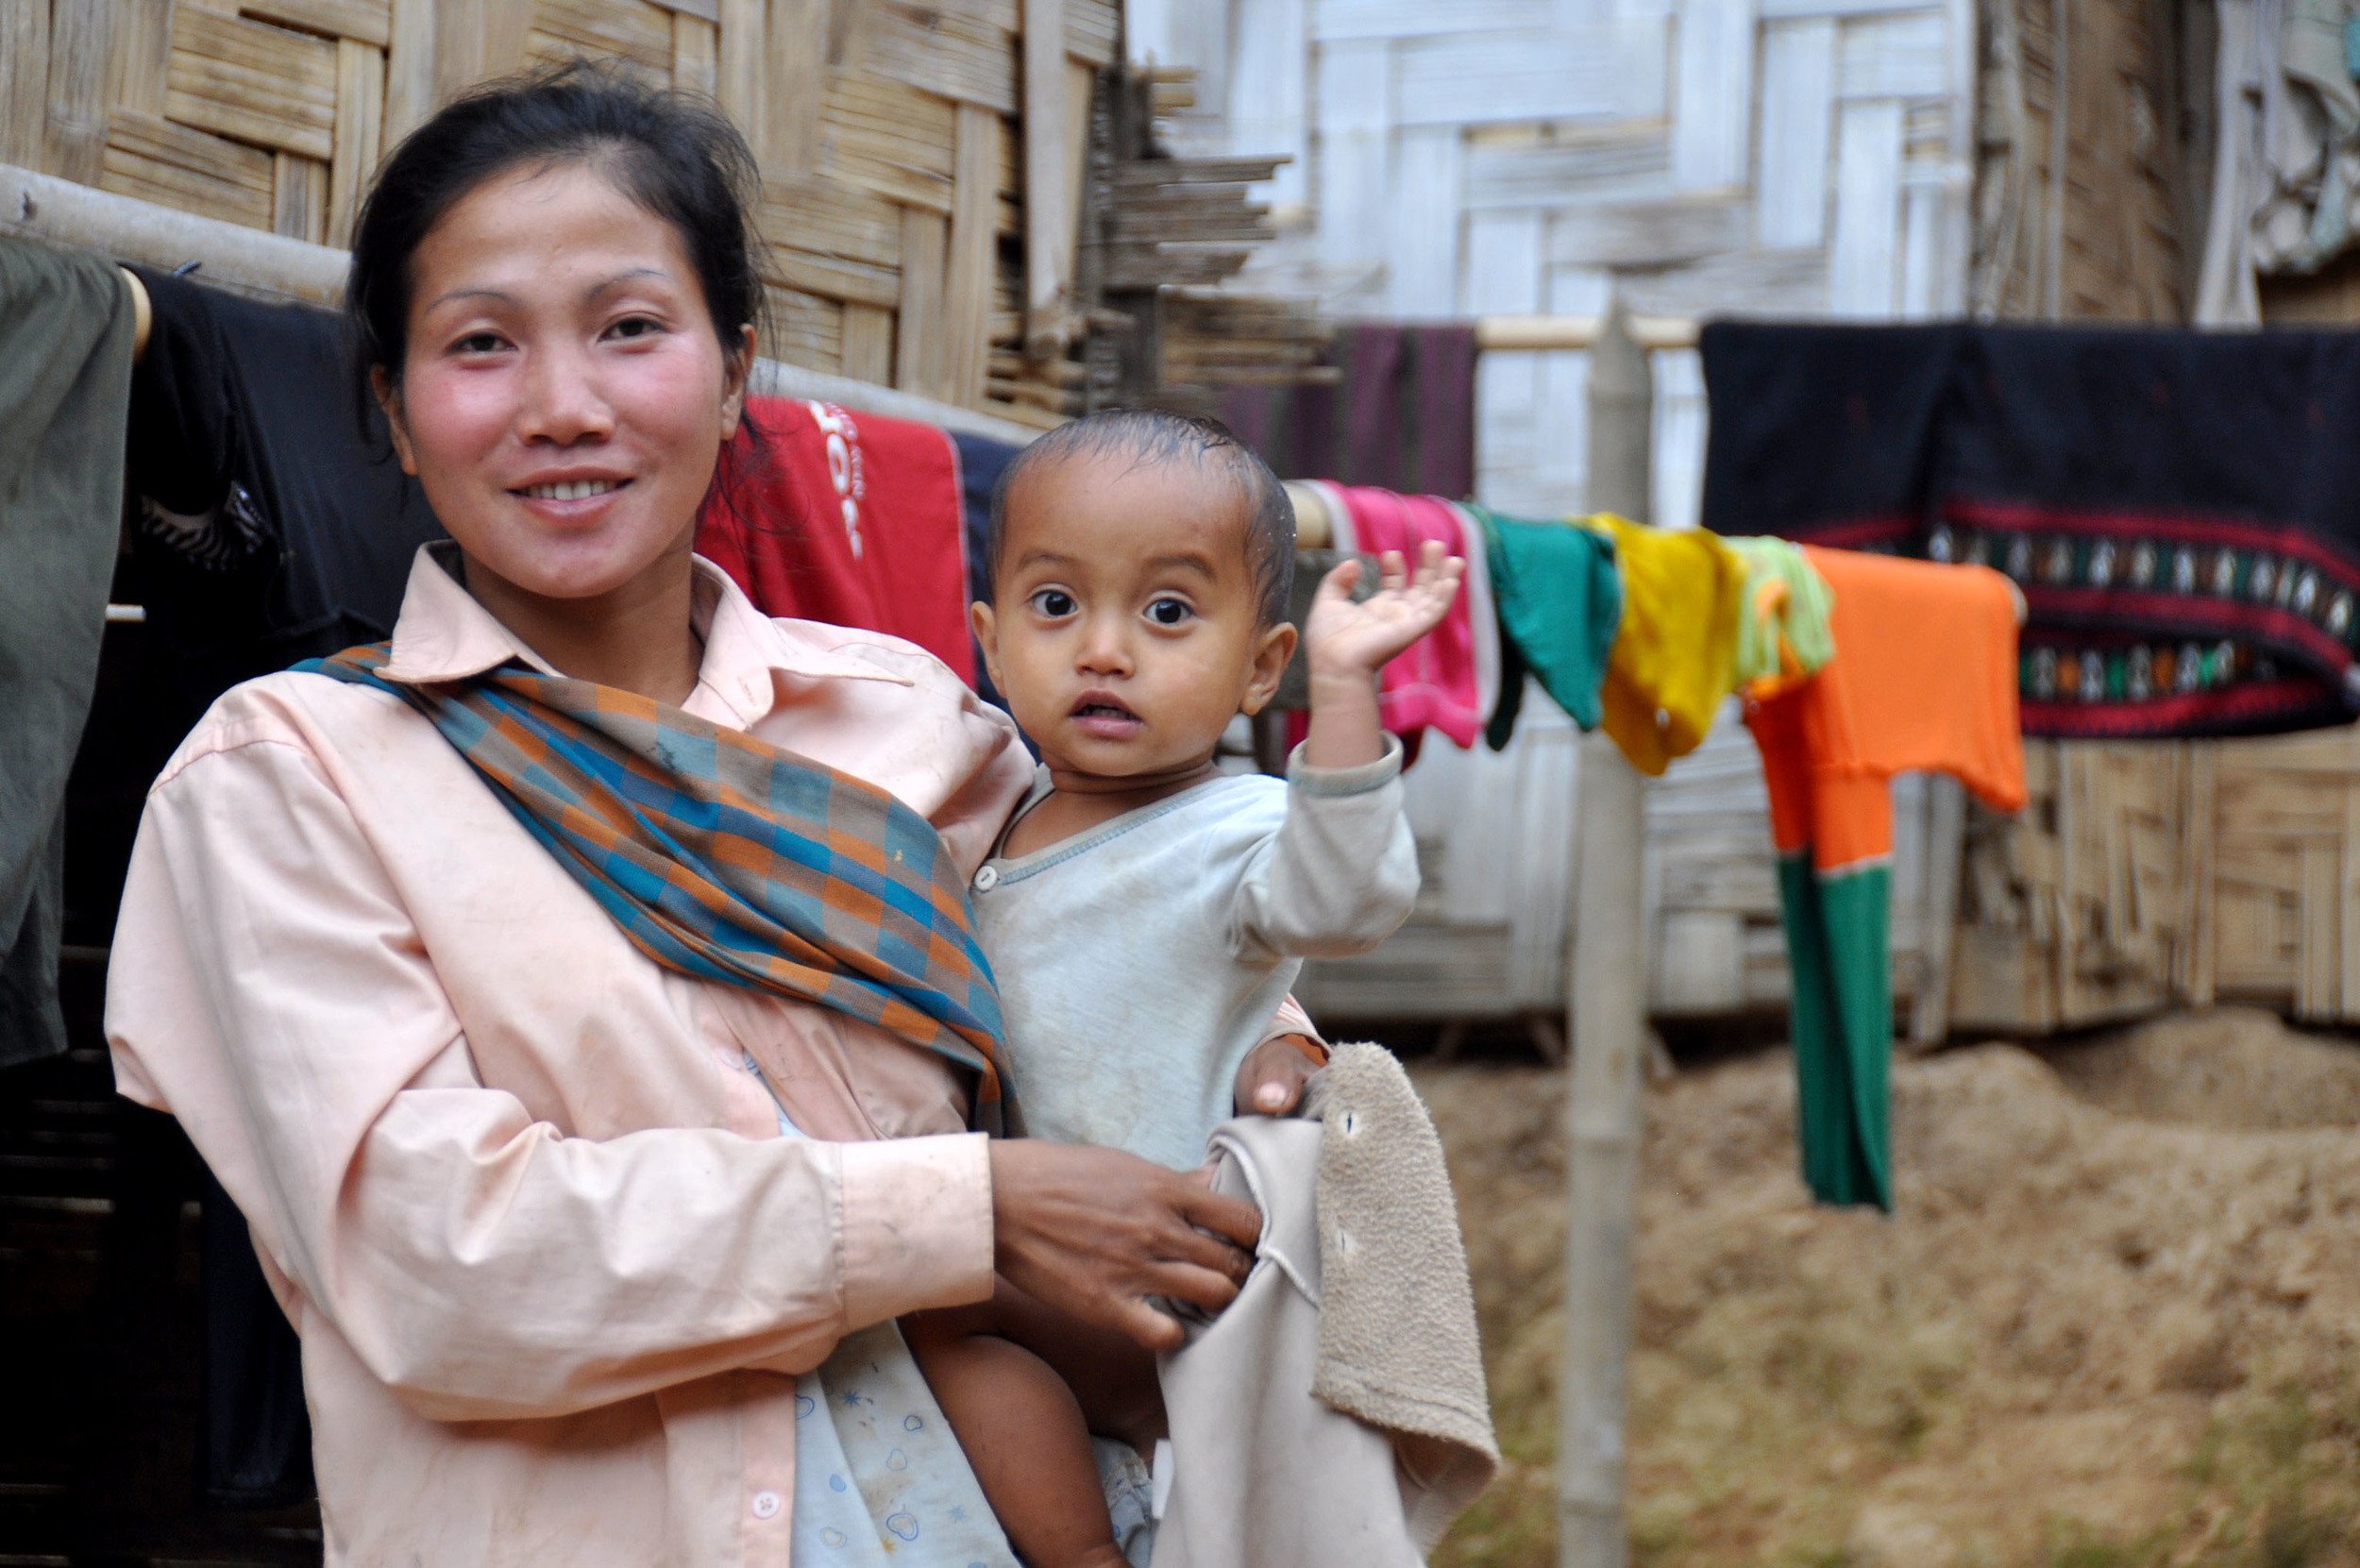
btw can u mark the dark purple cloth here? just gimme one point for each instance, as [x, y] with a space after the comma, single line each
[1399, 415]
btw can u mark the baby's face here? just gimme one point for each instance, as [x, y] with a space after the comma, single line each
[1123, 627]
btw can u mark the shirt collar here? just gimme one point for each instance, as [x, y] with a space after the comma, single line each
[444, 635]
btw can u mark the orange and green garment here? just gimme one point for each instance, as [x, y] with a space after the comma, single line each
[1923, 679]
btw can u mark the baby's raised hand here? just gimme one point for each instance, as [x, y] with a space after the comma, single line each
[1355, 639]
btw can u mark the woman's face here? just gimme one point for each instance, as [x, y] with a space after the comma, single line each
[564, 396]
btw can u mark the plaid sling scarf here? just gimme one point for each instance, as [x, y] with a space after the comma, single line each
[726, 858]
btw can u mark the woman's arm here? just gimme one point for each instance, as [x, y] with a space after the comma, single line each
[269, 989]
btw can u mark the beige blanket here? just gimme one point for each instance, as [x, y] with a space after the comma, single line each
[1335, 1414]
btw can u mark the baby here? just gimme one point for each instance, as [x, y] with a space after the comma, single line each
[1146, 913]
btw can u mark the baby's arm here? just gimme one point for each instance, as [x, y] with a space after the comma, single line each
[1340, 872]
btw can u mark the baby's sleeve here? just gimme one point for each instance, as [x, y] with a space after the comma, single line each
[1339, 874]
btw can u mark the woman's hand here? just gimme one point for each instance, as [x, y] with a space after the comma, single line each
[1270, 1079]
[1096, 1232]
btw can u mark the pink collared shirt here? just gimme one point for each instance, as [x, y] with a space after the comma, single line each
[553, 1269]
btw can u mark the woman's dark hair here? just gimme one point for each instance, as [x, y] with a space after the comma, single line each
[674, 154]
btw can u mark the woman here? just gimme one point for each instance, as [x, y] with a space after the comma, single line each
[518, 1136]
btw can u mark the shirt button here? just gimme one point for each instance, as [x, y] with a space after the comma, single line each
[766, 1505]
[987, 879]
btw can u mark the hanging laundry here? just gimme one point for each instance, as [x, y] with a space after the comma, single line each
[982, 461]
[820, 514]
[1400, 413]
[65, 372]
[1436, 681]
[274, 522]
[1675, 656]
[1560, 601]
[1483, 612]
[1782, 631]
[1923, 682]
[2285, 162]
[2182, 510]
[1826, 433]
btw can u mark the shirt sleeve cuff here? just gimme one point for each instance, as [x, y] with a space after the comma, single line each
[1345, 781]
[917, 1225]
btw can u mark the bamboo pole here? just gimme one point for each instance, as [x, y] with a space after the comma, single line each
[1576, 333]
[43, 207]
[1048, 219]
[773, 378]
[1608, 1019]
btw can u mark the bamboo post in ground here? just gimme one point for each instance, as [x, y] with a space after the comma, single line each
[1048, 216]
[1607, 1014]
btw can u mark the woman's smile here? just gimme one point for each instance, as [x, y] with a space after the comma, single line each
[572, 498]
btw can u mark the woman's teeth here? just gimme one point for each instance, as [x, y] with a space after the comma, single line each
[572, 490]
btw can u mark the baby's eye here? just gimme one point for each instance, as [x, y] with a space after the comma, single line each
[1171, 612]
[1056, 604]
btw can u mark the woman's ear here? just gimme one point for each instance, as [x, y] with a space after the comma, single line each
[1269, 667]
[389, 398]
[737, 373]
[987, 627]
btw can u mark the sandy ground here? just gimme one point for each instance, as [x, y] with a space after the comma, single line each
[2114, 1319]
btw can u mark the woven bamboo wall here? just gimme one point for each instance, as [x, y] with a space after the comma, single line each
[888, 134]
[2276, 898]
[2088, 219]
[2083, 909]
[2149, 875]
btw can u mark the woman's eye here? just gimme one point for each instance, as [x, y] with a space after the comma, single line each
[1168, 612]
[1054, 602]
[634, 326]
[479, 343]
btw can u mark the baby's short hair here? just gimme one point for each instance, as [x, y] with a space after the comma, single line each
[1159, 436]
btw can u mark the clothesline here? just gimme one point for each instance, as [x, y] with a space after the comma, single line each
[1577, 333]
[1314, 530]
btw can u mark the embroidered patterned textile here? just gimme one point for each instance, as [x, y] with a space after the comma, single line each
[726, 859]
[2182, 510]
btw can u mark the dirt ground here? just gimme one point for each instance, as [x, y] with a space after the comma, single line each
[2114, 1319]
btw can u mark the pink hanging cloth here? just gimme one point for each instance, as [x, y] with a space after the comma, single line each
[1436, 681]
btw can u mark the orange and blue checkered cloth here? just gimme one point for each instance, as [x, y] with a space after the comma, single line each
[726, 858]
